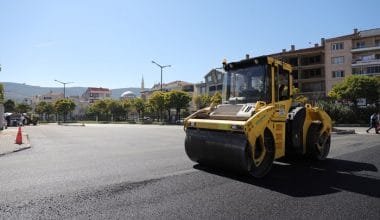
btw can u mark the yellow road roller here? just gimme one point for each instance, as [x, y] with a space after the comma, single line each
[257, 122]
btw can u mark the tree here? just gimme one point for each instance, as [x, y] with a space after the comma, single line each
[115, 108]
[9, 106]
[49, 109]
[202, 101]
[157, 103]
[22, 108]
[63, 107]
[40, 108]
[99, 108]
[140, 107]
[355, 87]
[168, 104]
[179, 100]
[216, 99]
[127, 107]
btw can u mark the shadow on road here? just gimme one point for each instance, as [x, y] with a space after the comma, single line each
[300, 178]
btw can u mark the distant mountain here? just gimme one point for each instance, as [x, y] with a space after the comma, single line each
[19, 92]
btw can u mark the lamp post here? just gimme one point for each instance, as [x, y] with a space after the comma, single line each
[64, 87]
[161, 70]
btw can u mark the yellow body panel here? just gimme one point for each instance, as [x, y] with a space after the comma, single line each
[224, 125]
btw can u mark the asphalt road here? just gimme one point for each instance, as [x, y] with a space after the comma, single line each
[142, 172]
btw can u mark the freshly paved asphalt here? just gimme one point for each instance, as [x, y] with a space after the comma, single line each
[142, 172]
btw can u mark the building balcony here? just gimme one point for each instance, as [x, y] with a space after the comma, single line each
[356, 63]
[366, 48]
[308, 66]
[311, 79]
[359, 72]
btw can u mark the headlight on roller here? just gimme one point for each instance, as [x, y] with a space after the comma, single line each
[237, 127]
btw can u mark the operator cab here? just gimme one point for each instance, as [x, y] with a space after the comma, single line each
[249, 81]
[247, 85]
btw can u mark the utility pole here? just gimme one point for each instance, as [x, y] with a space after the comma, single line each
[64, 87]
[162, 67]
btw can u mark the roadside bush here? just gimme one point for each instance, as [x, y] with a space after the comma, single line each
[343, 114]
[339, 113]
[363, 114]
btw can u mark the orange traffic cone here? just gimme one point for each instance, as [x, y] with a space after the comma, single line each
[19, 136]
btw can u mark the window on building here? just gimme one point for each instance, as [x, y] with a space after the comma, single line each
[337, 60]
[377, 56]
[209, 78]
[377, 43]
[295, 74]
[311, 60]
[219, 87]
[337, 46]
[311, 73]
[360, 44]
[219, 76]
[338, 74]
[373, 69]
[293, 61]
[313, 86]
[211, 88]
[357, 71]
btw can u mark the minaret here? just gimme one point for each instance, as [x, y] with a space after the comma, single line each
[142, 84]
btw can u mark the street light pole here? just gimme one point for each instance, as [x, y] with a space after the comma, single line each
[64, 87]
[161, 70]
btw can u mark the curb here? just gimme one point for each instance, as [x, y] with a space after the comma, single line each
[72, 124]
[28, 146]
[341, 131]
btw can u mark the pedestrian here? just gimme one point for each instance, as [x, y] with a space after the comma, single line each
[372, 122]
[377, 126]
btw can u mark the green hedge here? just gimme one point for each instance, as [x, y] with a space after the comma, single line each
[343, 114]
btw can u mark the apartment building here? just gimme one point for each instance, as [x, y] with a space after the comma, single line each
[92, 94]
[338, 60]
[308, 69]
[357, 53]
[175, 85]
[213, 82]
[49, 97]
[366, 52]
[317, 69]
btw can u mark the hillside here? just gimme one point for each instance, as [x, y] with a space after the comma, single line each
[18, 91]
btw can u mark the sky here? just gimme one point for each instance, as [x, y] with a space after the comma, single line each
[112, 43]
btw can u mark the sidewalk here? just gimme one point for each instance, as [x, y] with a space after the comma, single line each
[8, 138]
[358, 130]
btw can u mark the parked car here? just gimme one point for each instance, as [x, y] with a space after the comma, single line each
[14, 120]
[17, 119]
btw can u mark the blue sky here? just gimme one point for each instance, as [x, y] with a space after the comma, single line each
[112, 43]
